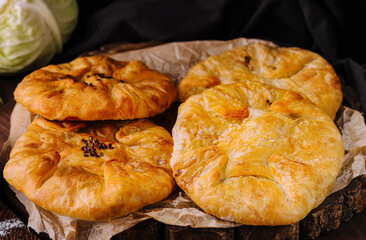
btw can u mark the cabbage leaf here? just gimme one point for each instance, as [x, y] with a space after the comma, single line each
[33, 31]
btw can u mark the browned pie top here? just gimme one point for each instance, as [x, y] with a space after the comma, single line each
[92, 170]
[255, 154]
[96, 88]
[292, 69]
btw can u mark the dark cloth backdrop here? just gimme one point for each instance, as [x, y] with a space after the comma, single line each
[332, 28]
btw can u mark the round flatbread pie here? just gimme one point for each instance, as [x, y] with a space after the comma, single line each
[292, 69]
[93, 171]
[254, 154]
[96, 88]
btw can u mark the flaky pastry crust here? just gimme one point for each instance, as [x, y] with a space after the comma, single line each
[292, 69]
[93, 171]
[255, 154]
[96, 88]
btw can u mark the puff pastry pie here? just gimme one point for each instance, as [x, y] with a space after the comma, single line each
[255, 154]
[93, 171]
[96, 88]
[292, 69]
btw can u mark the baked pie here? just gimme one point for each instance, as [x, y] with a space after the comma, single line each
[96, 88]
[92, 170]
[255, 154]
[292, 69]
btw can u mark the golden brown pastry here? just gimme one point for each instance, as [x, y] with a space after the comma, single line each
[292, 69]
[255, 154]
[93, 171]
[96, 88]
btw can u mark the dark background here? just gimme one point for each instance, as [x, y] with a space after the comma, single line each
[332, 28]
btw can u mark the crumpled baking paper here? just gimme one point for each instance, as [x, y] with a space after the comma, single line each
[174, 60]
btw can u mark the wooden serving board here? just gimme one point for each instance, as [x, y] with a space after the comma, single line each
[328, 221]
[339, 207]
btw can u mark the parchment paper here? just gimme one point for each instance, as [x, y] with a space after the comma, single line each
[174, 59]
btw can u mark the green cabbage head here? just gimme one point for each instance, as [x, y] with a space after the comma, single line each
[33, 31]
